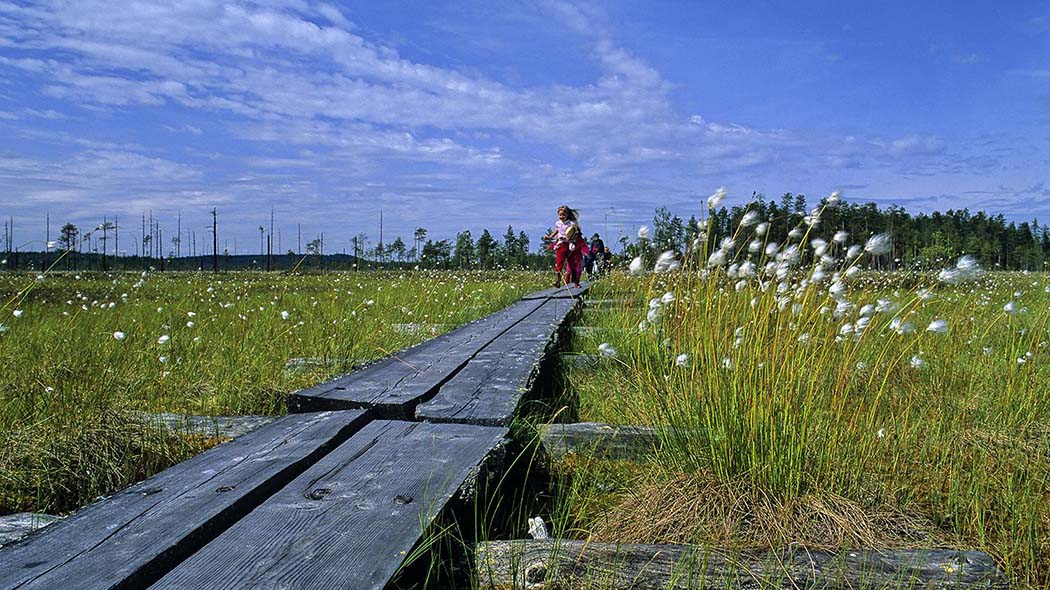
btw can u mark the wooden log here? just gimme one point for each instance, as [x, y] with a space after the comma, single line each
[351, 519]
[556, 563]
[300, 364]
[580, 362]
[611, 303]
[563, 292]
[133, 537]
[393, 386]
[600, 441]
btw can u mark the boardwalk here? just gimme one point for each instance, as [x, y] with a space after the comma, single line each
[334, 495]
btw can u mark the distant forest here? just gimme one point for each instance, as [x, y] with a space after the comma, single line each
[918, 241]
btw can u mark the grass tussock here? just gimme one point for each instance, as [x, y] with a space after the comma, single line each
[807, 398]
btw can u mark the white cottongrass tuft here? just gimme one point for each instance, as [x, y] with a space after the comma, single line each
[163, 339]
[938, 327]
[901, 327]
[606, 350]
[750, 218]
[916, 362]
[537, 529]
[885, 306]
[667, 297]
[284, 315]
[119, 335]
[762, 228]
[834, 198]
[17, 313]
[666, 262]
[636, 266]
[163, 359]
[717, 258]
[966, 268]
[716, 199]
[840, 237]
[1010, 308]
[643, 232]
[879, 244]
[682, 360]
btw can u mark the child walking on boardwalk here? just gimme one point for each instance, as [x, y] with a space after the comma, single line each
[569, 246]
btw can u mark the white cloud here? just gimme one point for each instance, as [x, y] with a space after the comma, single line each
[917, 145]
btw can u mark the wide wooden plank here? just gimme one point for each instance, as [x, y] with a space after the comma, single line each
[394, 385]
[490, 387]
[487, 391]
[350, 520]
[557, 563]
[132, 538]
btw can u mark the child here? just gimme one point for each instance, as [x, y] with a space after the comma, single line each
[569, 246]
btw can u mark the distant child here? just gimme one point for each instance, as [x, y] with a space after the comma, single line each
[595, 259]
[569, 246]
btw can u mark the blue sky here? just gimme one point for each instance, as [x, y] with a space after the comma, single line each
[471, 115]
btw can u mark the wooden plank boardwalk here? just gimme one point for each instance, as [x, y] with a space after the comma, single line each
[125, 540]
[395, 384]
[489, 389]
[350, 520]
[334, 495]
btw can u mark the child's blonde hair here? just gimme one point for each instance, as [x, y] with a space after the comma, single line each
[570, 213]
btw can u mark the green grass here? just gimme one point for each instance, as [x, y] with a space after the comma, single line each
[72, 390]
[783, 428]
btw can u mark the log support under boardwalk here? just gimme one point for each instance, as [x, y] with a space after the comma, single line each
[561, 564]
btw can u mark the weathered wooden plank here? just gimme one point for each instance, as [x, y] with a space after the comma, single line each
[563, 292]
[556, 563]
[490, 387]
[487, 391]
[557, 310]
[133, 537]
[600, 441]
[392, 386]
[16, 526]
[350, 520]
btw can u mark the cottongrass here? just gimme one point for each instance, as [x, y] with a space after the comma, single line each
[798, 392]
[94, 345]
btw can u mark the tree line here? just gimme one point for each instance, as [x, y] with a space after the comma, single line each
[919, 240]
